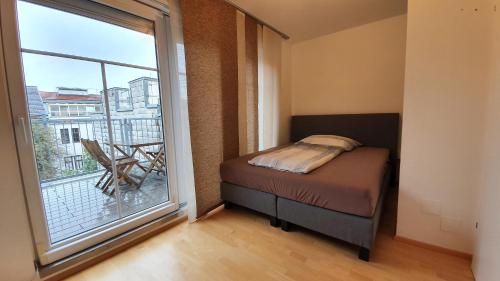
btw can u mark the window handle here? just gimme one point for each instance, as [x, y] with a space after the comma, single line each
[22, 126]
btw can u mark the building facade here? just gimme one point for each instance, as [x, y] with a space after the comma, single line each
[62, 118]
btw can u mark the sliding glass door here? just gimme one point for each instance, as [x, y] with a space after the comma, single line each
[96, 122]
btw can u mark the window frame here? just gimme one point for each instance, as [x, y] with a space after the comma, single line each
[73, 135]
[54, 113]
[65, 138]
[68, 161]
[146, 87]
[118, 103]
[78, 161]
[45, 251]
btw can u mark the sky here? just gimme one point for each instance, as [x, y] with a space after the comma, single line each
[47, 29]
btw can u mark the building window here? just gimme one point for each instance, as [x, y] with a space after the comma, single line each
[73, 162]
[64, 136]
[68, 163]
[82, 110]
[63, 109]
[123, 99]
[76, 134]
[74, 110]
[78, 159]
[152, 93]
[54, 111]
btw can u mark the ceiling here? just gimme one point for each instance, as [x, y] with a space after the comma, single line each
[307, 19]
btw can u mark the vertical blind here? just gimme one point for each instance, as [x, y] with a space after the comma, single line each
[209, 29]
[226, 71]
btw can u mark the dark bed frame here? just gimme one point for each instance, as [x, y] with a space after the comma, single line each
[375, 130]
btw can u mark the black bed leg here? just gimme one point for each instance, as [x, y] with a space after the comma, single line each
[285, 226]
[275, 222]
[227, 205]
[364, 254]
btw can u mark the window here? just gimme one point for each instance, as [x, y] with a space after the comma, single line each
[82, 110]
[73, 110]
[123, 99]
[92, 109]
[73, 162]
[76, 134]
[78, 159]
[64, 136]
[68, 163]
[63, 111]
[96, 49]
[54, 111]
[152, 94]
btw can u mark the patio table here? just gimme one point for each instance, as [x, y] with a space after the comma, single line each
[155, 160]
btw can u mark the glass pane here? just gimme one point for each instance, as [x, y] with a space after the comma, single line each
[51, 30]
[70, 114]
[138, 132]
[63, 76]
[68, 171]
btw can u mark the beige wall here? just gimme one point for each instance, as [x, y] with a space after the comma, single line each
[444, 103]
[16, 248]
[358, 70]
[487, 246]
[16, 254]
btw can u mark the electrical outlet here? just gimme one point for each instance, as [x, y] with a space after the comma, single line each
[431, 207]
[449, 224]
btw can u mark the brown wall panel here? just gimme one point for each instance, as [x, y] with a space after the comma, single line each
[252, 83]
[209, 28]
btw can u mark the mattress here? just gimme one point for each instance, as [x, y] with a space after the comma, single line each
[351, 183]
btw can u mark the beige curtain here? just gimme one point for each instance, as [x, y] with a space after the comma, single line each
[269, 87]
[185, 182]
[252, 84]
[242, 87]
[247, 83]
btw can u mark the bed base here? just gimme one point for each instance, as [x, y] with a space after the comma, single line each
[252, 199]
[274, 222]
[363, 254]
[357, 230]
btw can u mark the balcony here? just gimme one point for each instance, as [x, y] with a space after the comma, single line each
[68, 173]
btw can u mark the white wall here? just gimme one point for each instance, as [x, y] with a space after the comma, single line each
[358, 70]
[444, 104]
[487, 246]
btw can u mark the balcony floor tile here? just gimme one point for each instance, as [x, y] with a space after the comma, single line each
[75, 205]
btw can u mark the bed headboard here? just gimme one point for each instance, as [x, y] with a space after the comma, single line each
[377, 129]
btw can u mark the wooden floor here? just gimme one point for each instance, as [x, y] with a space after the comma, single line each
[239, 244]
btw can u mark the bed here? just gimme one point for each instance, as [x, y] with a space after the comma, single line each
[343, 198]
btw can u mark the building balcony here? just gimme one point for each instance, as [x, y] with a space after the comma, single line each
[74, 205]
[68, 173]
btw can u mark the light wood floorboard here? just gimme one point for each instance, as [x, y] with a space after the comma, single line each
[238, 244]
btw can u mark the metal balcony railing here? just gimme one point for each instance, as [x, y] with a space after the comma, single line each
[59, 153]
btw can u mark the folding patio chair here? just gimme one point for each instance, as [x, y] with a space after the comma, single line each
[123, 166]
[161, 164]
